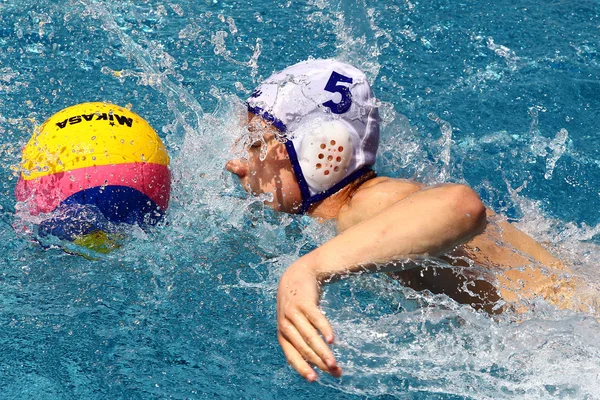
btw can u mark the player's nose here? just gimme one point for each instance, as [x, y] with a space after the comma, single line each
[237, 167]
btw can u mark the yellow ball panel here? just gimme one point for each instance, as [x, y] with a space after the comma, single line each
[91, 134]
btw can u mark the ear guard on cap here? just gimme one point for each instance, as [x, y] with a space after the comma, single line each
[325, 154]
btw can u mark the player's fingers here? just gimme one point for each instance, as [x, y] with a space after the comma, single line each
[295, 359]
[291, 334]
[316, 317]
[312, 339]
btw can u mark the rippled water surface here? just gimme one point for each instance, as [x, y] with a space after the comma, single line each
[500, 95]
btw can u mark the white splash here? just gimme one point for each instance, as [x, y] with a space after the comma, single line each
[507, 54]
[446, 143]
[557, 146]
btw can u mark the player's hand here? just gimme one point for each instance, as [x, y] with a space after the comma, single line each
[299, 321]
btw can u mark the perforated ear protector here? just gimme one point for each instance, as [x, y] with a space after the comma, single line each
[325, 154]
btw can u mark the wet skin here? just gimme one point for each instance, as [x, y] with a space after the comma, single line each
[274, 174]
[384, 219]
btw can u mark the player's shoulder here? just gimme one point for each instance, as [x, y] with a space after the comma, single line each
[389, 187]
[372, 197]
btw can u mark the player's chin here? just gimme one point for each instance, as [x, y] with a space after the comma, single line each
[275, 205]
[293, 208]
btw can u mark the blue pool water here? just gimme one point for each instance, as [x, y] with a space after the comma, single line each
[501, 95]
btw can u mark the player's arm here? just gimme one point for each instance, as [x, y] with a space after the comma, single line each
[428, 222]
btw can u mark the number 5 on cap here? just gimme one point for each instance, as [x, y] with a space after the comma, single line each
[333, 87]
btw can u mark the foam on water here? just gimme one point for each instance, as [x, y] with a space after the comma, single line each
[188, 309]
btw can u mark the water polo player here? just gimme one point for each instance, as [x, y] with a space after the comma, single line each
[318, 122]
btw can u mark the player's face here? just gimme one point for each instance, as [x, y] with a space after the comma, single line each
[267, 169]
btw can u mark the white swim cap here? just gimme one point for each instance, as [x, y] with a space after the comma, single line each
[328, 117]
